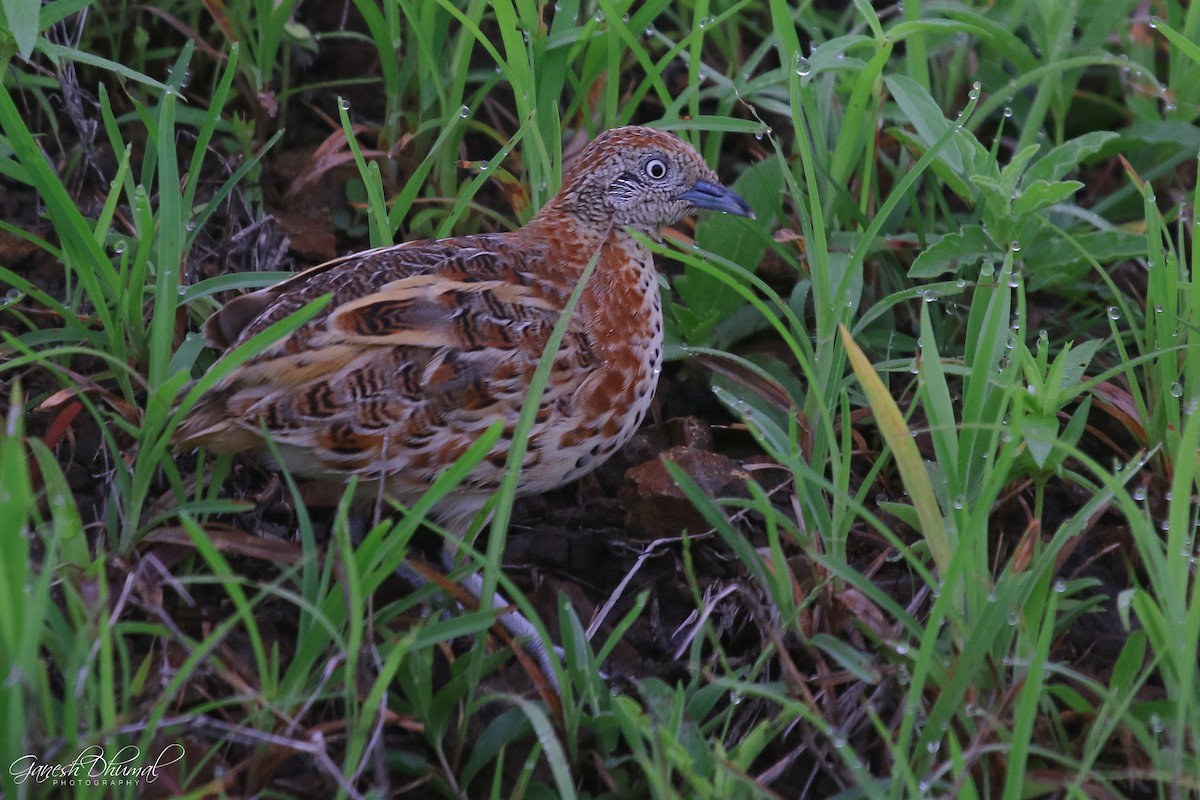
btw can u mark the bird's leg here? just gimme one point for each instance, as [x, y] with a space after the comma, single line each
[513, 621]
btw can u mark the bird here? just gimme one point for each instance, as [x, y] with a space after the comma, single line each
[425, 344]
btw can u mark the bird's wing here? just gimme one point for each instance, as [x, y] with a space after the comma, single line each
[420, 348]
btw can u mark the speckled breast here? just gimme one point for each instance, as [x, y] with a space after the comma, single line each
[620, 319]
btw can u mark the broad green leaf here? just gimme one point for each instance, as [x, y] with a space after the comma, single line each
[1077, 363]
[1010, 176]
[1067, 156]
[930, 122]
[1041, 434]
[1040, 194]
[22, 19]
[1170, 132]
[708, 299]
[965, 247]
[1055, 259]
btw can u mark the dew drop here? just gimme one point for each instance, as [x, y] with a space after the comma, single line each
[1176, 389]
[464, 112]
[345, 104]
[803, 66]
[1060, 585]
[1008, 112]
[483, 165]
[1114, 313]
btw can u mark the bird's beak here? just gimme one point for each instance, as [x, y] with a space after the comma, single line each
[716, 198]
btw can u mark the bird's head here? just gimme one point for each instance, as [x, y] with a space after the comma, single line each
[644, 178]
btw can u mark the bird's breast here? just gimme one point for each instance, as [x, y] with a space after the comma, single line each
[620, 319]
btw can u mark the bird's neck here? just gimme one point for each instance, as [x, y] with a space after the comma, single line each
[557, 220]
[624, 265]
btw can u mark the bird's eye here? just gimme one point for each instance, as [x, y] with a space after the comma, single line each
[656, 169]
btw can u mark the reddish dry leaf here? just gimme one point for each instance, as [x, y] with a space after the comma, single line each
[1119, 404]
[232, 540]
[864, 609]
[308, 236]
[14, 249]
[217, 9]
[90, 387]
[1024, 550]
[331, 153]
[513, 189]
